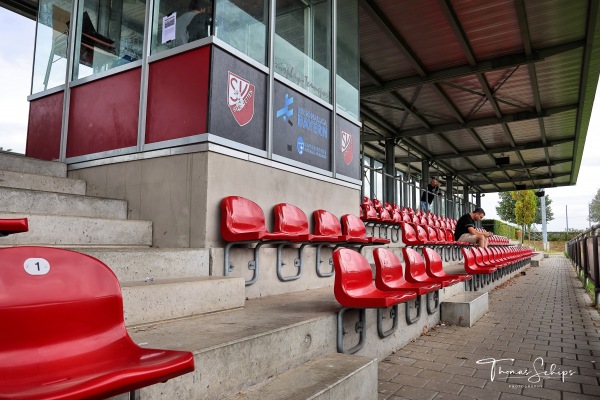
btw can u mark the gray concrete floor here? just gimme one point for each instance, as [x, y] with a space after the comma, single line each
[539, 327]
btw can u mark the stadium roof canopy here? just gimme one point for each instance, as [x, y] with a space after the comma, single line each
[497, 93]
[465, 84]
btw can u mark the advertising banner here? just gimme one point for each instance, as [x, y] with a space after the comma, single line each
[347, 148]
[301, 128]
[237, 101]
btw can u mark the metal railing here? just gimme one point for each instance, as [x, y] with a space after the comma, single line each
[582, 250]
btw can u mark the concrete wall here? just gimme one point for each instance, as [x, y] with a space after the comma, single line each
[181, 194]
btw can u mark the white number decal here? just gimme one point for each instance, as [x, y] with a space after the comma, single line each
[36, 266]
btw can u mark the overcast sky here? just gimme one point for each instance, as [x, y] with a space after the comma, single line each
[16, 60]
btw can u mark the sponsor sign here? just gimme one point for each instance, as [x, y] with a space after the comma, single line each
[240, 98]
[347, 147]
[237, 101]
[301, 128]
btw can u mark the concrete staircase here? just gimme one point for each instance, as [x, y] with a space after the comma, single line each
[269, 348]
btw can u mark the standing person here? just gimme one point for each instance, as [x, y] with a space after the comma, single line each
[194, 24]
[466, 232]
[433, 189]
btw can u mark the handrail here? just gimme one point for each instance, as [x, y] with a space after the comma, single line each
[578, 251]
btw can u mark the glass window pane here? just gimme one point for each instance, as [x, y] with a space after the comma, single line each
[366, 189]
[177, 22]
[378, 180]
[303, 44]
[348, 56]
[111, 34]
[50, 60]
[243, 25]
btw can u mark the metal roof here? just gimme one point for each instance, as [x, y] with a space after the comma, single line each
[460, 83]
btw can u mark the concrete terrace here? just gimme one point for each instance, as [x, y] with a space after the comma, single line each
[544, 313]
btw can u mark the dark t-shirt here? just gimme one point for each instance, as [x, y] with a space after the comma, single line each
[431, 192]
[462, 225]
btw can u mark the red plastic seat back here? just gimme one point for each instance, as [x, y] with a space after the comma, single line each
[388, 267]
[49, 297]
[353, 275]
[353, 226]
[432, 234]
[241, 219]
[409, 235]
[385, 215]
[8, 226]
[289, 219]
[468, 257]
[415, 266]
[369, 212]
[326, 224]
[422, 234]
[433, 262]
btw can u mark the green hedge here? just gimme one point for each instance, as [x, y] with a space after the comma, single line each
[510, 231]
[500, 228]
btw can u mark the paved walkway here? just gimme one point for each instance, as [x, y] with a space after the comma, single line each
[543, 316]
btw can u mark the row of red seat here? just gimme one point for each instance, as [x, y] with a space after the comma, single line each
[354, 286]
[494, 261]
[375, 213]
[243, 222]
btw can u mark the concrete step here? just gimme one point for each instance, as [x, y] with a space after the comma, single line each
[20, 163]
[237, 349]
[48, 203]
[139, 264]
[333, 376]
[67, 231]
[21, 180]
[164, 299]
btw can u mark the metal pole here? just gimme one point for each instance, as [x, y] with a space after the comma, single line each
[544, 230]
[596, 268]
[567, 215]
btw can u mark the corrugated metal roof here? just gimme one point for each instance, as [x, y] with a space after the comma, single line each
[460, 82]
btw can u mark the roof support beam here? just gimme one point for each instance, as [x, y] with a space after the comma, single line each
[517, 181]
[476, 123]
[503, 62]
[524, 146]
[537, 164]
[524, 26]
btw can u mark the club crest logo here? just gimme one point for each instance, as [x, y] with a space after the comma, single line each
[347, 147]
[240, 98]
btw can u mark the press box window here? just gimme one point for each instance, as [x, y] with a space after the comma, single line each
[303, 44]
[110, 34]
[243, 25]
[51, 44]
[178, 22]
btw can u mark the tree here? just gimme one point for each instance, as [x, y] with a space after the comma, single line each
[506, 208]
[525, 207]
[595, 208]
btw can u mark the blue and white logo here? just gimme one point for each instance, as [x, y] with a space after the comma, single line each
[300, 145]
[286, 112]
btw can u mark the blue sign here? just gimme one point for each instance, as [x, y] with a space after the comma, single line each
[300, 145]
[286, 111]
[301, 128]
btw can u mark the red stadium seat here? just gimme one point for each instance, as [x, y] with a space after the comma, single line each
[63, 334]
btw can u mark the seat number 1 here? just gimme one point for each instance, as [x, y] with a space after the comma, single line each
[36, 266]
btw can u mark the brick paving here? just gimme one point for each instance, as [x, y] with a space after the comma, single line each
[543, 316]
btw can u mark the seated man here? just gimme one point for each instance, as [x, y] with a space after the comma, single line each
[466, 232]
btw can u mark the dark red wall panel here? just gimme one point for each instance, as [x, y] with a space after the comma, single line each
[178, 96]
[104, 114]
[43, 131]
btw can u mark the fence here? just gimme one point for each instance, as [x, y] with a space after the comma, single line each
[583, 252]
